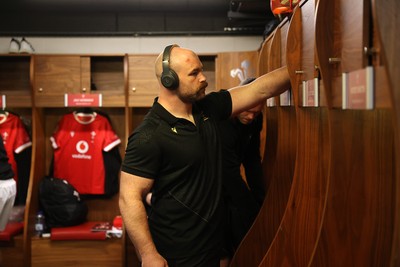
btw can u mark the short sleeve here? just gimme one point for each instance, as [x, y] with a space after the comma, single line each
[111, 139]
[142, 155]
[217, 105]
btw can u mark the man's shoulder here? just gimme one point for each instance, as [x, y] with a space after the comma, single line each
[147, 128]
[217, 104]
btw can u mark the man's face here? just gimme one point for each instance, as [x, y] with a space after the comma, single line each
[248, 116]
[192, 81]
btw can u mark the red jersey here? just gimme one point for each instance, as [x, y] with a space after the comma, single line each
[15, 138]
[78, 143]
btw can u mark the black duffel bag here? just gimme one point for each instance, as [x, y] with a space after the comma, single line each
[61, 203]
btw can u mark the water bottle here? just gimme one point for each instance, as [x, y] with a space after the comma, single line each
[40, 223]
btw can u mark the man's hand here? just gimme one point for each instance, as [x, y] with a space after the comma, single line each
[154, 260]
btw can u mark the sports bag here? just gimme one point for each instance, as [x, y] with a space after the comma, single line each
[61, 203]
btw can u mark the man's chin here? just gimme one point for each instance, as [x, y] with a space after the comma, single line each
[195, 97]
[201, 95]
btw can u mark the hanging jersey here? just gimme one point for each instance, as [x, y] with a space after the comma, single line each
[15, 138]
[78, 143]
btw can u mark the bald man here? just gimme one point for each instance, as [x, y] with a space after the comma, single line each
[175, 152]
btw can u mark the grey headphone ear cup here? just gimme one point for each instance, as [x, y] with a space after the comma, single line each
[169, 78]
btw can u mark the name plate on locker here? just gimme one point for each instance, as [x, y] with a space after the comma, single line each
[358, 89]
[284, 98]
[311, 93]
[3, 101]
[83, 100]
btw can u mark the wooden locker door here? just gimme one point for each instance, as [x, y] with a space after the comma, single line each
[358, 218]
[15, 81]
[278, 161]
[387, 20]
[55, 76]
[298, 232]
[142, 84]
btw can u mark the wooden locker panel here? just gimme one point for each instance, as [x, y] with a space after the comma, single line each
[328, 48]
[278, 164]
[361, 176]
[355, 33]
[142, 84]
[15, 80]
[358, 226]
[278, 58]
[386, 19]
[12, 253]
[72, 74]
[55, 76]
[103, 253]
[262, 68]
[107, 77]
[299, 229]
[235, 67]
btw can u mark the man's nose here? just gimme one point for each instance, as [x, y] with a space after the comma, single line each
[203, 78]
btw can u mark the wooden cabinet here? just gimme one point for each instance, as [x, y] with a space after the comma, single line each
[57, 75]
[143, 84]
[54, 77]
[15, 81]
[107, 77]
[76, 253]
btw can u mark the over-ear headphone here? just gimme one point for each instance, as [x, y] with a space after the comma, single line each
[169, 78]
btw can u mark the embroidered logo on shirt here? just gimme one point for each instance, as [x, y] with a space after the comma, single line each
[204, 117]
[174, 130]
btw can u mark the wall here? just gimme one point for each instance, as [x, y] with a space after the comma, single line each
[135, 45]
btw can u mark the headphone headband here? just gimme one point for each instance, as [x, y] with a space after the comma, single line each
[169, 78]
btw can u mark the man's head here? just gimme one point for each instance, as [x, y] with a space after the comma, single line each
[248, 116]
[190, 82]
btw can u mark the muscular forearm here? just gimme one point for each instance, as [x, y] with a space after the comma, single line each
[132, 192]
[136, 225]
[266, 86]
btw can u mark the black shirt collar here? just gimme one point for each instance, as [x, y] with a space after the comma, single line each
[168, 117]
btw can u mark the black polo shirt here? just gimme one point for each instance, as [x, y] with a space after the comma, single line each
[185, 162]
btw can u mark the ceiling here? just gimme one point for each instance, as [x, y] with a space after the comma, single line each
[134, 17]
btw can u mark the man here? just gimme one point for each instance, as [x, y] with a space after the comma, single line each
[241, 147]
[8, 187]
[175, 152]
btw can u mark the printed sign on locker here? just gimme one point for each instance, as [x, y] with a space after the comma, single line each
[83, 100]
[358, 89]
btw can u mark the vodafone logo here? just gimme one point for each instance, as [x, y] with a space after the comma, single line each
[82, 147]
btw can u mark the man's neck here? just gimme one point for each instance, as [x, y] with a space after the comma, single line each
[177, 108]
